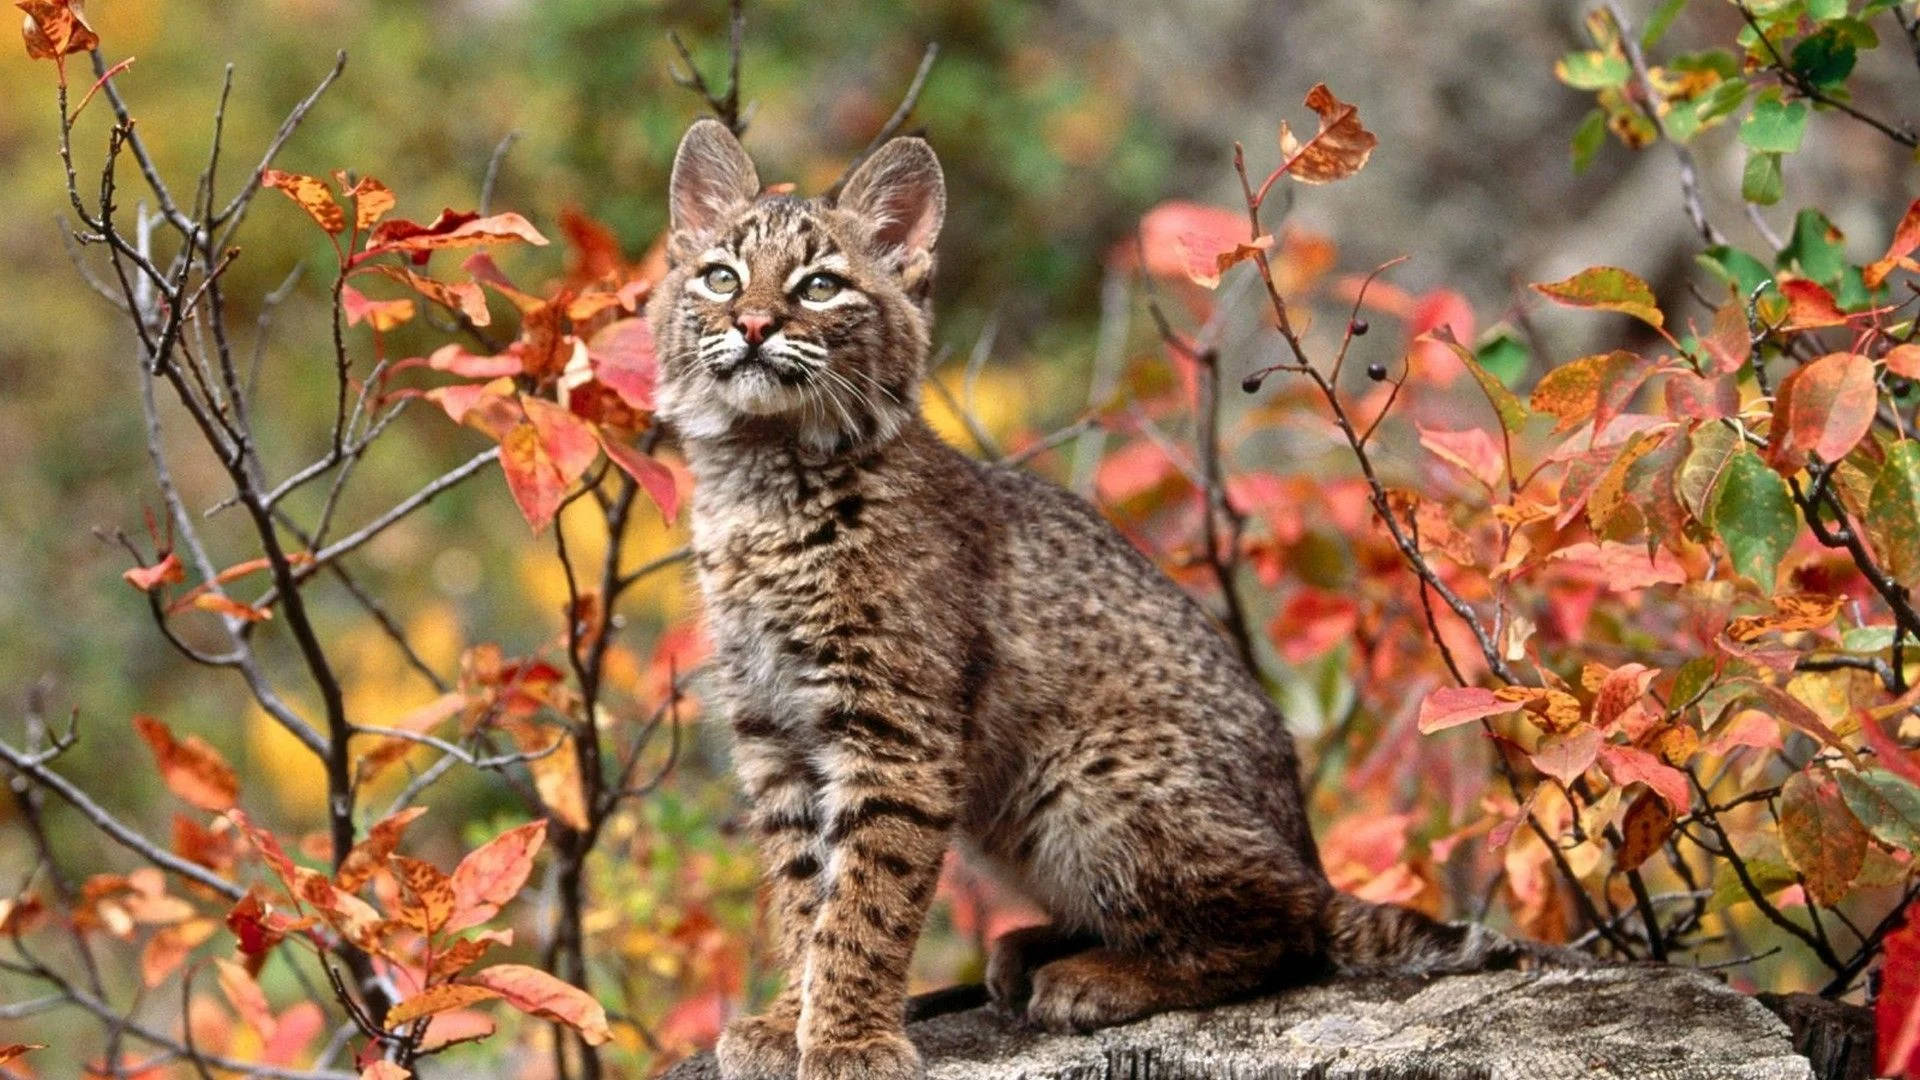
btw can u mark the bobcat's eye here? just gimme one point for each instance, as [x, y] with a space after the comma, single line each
[820, 288]
[721, 280]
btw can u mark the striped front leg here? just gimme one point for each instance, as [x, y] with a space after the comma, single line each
[782, 791]
[888, 806]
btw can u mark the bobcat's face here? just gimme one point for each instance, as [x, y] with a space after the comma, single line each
[795, 317]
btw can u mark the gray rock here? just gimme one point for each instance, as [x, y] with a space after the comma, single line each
[1643, 1023]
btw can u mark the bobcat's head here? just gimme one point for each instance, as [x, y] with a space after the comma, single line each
[803, 319]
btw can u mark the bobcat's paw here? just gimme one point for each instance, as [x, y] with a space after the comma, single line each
[881, 1057]
[1084, 992]
[1017, 953]
[758, 1048]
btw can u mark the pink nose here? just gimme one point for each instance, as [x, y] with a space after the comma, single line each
[753, 325]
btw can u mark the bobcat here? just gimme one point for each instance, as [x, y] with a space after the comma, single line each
[915, 647]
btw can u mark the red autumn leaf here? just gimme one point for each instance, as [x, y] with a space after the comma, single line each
[1627, 764]
[1730, 342]
[385, 1070]
[1338, 150]
[14, 1050]
[55, 29]
[437, 999]
[537, 993]
[1313, 623]
[167, 571]
[190, 768]
[1821, 837]
[269, 848]
[371, 853]
[487, 272]
[1567, 757]
[543, 456]
[1896, 1011]
[452, 229]
[382, 315]
[1434, 314]
[1185, 239]
[1452, 706]
[294, 1033]
[1701, 398]
[456, 360]
[1809, 305]
[1621, 567]
[1824, 408]
[312, 194]
[1473, 450]
[623, 357]
[654, 478]
[1906, 237]
[491, 875]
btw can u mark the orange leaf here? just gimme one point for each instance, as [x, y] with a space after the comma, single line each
[452, 229]
[1185, 239]
[537, 993]
[190, 768]
[1338, 150]
[1593, 388]
[312, 194]
[1904, 360]
[568, 440]
[1824, 408]
[465, 298]
[222, 604]
[1567, 757]
[457, 360]
[384, 1070]
[269, 848]
[1906, 237]
[493, 874]
[371, 200]
[1474, 451]
[430, 892]
[1606, 288]
[246, 997]
[55, 29]
[169, 947]
[436, 999]
[167, 571]
[370, 854]
[1810, 306]
[383, 315]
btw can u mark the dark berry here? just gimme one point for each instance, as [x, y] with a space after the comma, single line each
[1251, 384]
[1358, 327]
[1377, 372]
[1901, 387]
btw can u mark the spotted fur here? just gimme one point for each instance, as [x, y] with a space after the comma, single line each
[916, 649]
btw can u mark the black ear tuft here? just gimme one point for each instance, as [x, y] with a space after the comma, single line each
[712, 178]
[901, 190]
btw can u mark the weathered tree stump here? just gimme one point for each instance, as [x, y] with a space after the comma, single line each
[1644, 1023]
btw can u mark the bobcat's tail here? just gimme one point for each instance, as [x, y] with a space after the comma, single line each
[1365, 938]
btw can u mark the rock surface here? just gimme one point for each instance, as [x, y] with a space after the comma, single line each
[1645, 1023]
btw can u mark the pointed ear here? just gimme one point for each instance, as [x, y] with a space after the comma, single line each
[901, 191]
[712, 178]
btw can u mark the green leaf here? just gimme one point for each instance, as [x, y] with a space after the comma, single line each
[1769, 876]
[1755, 517]
[1658, 22]
[1817, 249]
[1508, 407]
[1886, 804]
[1826, 10]
[1826, 58]
[1761, 181]
[1592, 70]
[1502, 355]
[1607, 288]
[1588, 138]
[1775, 126]
[1893, 513]
[1720, 102]
[1736, 268]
